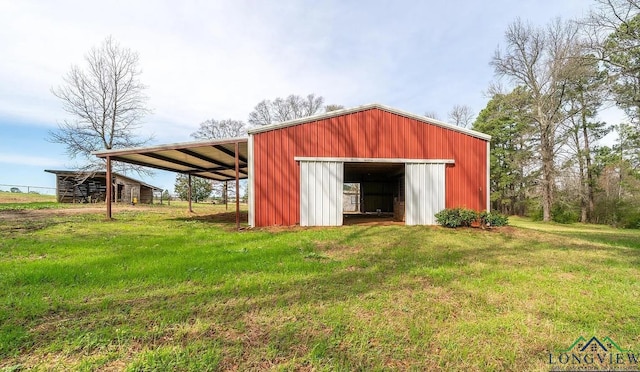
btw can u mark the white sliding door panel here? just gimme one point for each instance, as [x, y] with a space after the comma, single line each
[424, 192]
[321, 185]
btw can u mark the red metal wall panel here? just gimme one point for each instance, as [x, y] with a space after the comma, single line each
[373, 133]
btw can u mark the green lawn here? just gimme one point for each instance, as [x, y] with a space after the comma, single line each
[629, 238]
[161, 290]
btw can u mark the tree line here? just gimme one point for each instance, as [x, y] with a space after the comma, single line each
[547, 155]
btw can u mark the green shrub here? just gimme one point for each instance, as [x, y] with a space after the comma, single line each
[461, 217]
[559, 213]
[449, 217]
[456, 217]
[624, 213]
[468, 216]
[536, 214]
[630, 220]
[564, 214]
[493, 219]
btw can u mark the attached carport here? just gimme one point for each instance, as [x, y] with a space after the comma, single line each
[218, 160]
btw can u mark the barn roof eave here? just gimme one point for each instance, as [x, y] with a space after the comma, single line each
[352, 110]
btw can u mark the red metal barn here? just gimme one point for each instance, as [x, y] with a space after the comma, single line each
[403, 163]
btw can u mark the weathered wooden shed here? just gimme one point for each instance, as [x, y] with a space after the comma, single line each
[88, 187]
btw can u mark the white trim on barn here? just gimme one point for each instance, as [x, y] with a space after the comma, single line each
[424, 192]
[321, 193]
[251, 183]
[376, 160]
[488, 176]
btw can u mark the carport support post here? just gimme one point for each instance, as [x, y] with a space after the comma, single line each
[226, 195]
[237, 188]
[108, 188]
[189, 194]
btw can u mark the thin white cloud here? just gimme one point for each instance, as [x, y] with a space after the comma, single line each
[218, 59]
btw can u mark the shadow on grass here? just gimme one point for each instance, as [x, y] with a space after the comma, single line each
[224, 217]
[19, 226]
[257, 272]
[285, 255]
[621, 246]
[621, 239]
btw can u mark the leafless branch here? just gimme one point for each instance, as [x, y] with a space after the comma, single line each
[218, 129]
[106, 104]
[283, 109]
[461, 115]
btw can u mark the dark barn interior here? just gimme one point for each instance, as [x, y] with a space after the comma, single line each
[381, 188]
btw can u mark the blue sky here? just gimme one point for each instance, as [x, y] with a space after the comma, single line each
[213, 59]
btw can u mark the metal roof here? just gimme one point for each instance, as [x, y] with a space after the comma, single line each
[215, 159]
[212, 159]
[101, 174]
[352, 110]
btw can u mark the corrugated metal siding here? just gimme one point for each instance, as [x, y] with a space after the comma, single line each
[321, 193]
[372, 133]
[424, 192]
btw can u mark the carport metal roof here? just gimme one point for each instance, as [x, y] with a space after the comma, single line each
[222, 160]
[212, 159]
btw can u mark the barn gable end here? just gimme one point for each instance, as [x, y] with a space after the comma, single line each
[374, 132]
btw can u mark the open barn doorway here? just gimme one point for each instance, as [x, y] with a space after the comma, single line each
[379, 189]
[387, 190]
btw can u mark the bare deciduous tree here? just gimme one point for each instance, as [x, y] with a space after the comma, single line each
[539, 59]
[106, 102]
[218, 129]
[606, 18]
[613, 33]
[283, 109]
[461, 115]
[432, 114]
[333, 107]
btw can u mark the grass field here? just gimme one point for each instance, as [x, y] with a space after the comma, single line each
[19, 201]
[158, 289]
[21, 197]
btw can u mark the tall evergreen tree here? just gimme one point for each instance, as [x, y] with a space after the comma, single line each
[505, 118]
